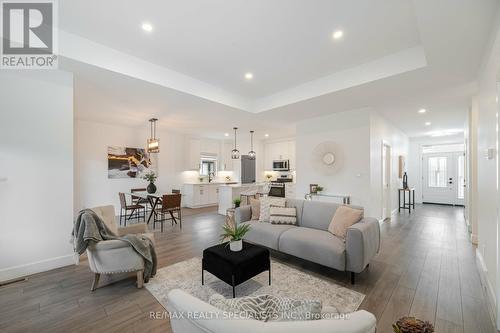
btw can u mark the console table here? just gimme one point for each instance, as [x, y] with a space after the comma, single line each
[346, 198]
[411, 199]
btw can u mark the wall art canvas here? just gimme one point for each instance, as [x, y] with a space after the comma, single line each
[126, 162]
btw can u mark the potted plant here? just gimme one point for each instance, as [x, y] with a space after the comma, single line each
[151, 178]
[412, 325]
[237, 202]
[233, 234]
[319, 189]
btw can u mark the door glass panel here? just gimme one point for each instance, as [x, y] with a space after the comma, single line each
[437, 172]
[460, 177]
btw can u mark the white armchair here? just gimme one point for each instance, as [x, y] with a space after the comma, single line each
[116, 256]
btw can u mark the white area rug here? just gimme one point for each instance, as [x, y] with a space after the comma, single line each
[286, 281]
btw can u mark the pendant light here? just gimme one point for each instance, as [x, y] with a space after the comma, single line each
[235, 153]
[153, 142]
[251, 153]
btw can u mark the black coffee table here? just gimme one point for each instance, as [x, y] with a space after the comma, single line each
[235, 268]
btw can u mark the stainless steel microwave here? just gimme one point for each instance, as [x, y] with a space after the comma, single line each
[281, 165]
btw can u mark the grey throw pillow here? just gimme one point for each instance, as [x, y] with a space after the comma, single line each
[269, 307]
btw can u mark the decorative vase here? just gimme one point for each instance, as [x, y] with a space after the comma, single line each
[151, 188]
[236, 246]
[405, 181]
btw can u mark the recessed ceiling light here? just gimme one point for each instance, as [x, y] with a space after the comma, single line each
[266, 135]
[248, 76]
[226, 134]
[428, 123]
[337, 34]
[422, 111]
[147, 27]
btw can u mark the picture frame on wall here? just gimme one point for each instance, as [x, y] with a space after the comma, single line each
[313, 188]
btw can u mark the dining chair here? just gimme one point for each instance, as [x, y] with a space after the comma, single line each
[171, 204]
[125, 208]
[138, 200]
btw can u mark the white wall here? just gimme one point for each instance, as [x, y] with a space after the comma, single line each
[471, 159]
[383, 132]
[350, 130]
[36, 158]
[92, 186]
[414, 162]
[487, 172]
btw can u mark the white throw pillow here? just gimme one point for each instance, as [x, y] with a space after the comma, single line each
[283, 215]
[265, 205]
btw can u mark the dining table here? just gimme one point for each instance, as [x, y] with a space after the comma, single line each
[153, 198]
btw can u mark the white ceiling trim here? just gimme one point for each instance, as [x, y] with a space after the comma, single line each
[394, 64]
[84, 50]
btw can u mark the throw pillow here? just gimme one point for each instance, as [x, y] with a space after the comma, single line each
[266, 203]
[269, 307]
[255, 207]
[343, 218]
[283, 215]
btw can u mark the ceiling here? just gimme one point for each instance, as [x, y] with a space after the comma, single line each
[282, 42]
[396, 56]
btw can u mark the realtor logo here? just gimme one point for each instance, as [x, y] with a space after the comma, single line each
[29, 34]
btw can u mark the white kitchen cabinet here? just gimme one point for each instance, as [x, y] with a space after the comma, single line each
[211, 147]
[226, 162]
[193, 157]
[281, 150]
[290, 190]
[291, 154]
[200, 195]
[213, 194]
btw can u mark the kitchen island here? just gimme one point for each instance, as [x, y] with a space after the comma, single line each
[204, 194]
[227, 193]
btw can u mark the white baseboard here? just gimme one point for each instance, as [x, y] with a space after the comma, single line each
[487, 287]
[36, 267]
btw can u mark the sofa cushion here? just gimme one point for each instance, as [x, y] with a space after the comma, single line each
[314, 245]
[266, 234]
[318, 214]
[343, 218]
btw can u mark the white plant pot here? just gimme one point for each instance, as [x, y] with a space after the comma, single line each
[236, 246]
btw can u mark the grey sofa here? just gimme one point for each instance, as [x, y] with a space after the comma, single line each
[310, 239]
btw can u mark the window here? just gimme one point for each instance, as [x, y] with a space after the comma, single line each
[461, 177]
[437, 172]
[208, 166]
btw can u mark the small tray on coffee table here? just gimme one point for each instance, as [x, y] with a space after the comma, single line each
[234, 268]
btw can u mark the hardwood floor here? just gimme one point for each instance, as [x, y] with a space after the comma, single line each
[426, 267]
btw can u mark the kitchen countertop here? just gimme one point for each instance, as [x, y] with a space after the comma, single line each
[237, 185]
[212, 183]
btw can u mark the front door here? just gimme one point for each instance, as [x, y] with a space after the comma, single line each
[443, 178]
